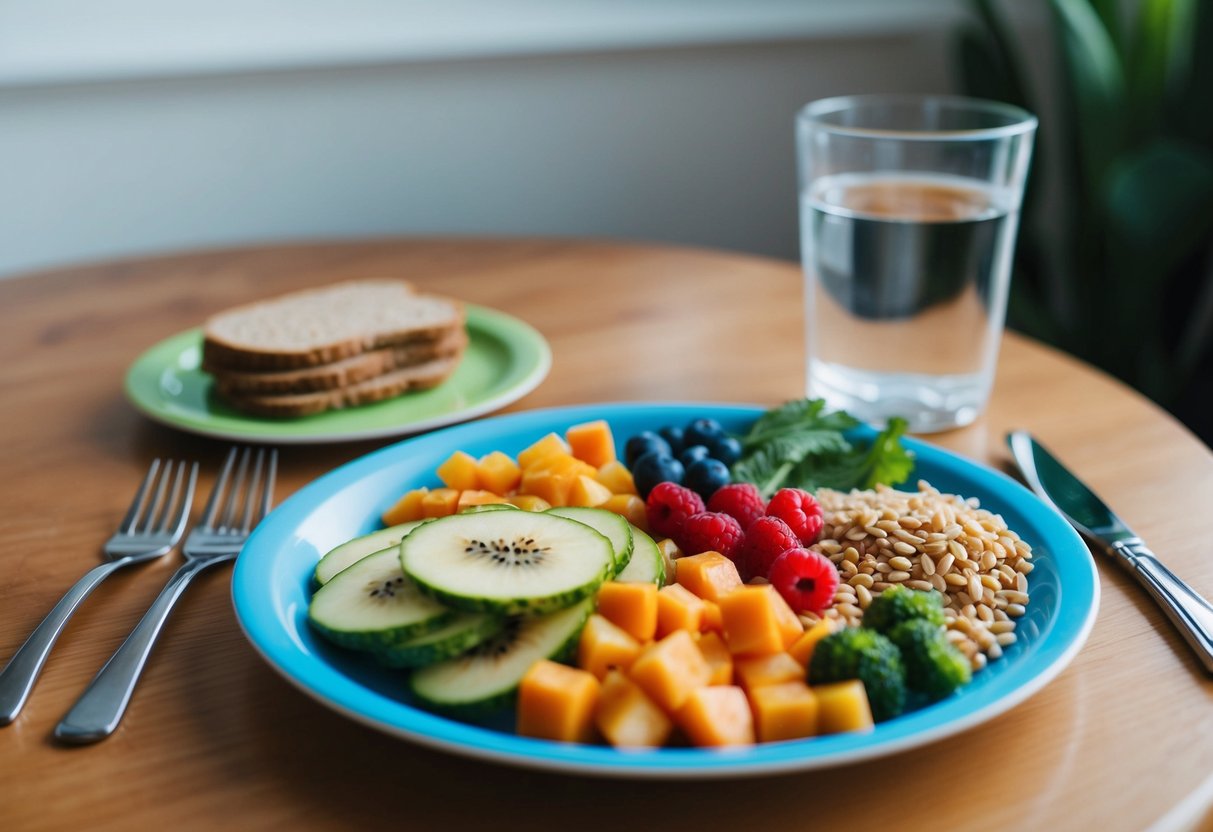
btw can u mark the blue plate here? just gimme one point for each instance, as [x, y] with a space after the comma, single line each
[271, 589]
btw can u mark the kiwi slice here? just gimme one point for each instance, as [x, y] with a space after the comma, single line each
[490, 507]
[464, 632]
[647, 566]
[487, 677]
[506, 562]
[372, 605]
[607, 523]
[352, 551]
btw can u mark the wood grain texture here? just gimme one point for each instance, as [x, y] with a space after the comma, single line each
[1121, 740]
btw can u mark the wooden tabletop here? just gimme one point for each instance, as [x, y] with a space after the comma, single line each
[1122, 739]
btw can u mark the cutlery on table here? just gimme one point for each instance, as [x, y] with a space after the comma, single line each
[1189, 612]
[236, 504]
[152, 526]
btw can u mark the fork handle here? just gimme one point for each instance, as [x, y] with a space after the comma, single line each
[99, 709]
[18, 677]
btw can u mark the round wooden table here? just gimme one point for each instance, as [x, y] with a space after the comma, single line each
[1122, 739]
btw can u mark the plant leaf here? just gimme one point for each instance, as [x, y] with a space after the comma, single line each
[1161, 58]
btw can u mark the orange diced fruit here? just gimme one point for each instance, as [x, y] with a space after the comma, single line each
[552, 486]
[772, 669]
[604, 647]
[588, 492]
[529, 502]
[786, 711]
[616, 476]
[548, 445]
[498, 473]
[719, 659]
[592, 442]
[406, 509]
[753, 620]
[440, 502]
[712, 620]
[459, 472]
[632, 607]
[678, 609]
[628, 506]
[477, 497]
[790, 625]
[557, 702]
[802, 649]
[717, 716]
[710, 575]
[668, 670]
[627, 717]
[842, 706]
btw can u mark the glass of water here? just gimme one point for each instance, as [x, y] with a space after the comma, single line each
[908, 211]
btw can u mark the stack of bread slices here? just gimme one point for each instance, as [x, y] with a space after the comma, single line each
[334, 347]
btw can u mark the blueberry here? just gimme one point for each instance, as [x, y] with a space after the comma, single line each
[702, 432]
[693, 454]
[725, 448]
[655, 467]
[645, 442]
[673, 436]
[705, 476]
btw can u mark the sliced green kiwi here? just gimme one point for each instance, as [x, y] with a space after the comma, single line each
[490, 507]
[486, 677]
[372, 604]
[506, 562]
[647, 566]
[607, 523]
[461, 634]
[352, 551]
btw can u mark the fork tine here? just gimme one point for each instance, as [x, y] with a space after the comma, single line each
[176, 523]
[158, 507]
[229, 501]
[212, 502]
[132, 514]
[249, 501]
[271, 474]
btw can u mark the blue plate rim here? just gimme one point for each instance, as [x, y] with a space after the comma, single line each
[327, 685]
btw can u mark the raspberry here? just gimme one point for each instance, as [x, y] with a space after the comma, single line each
[766, 539]
[800, 511]
[668, 506]
[710, 531]
[741, 501]
[806, 580]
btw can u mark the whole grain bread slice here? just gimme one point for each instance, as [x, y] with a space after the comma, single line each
[343, 373]
[320, 326]
[386, 386]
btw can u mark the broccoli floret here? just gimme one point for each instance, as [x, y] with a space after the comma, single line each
[855, 653]
[933, 664]
[897, 604]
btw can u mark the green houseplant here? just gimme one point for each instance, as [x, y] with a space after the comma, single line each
[1119, 270]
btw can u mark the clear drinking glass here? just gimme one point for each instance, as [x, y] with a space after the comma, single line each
[909, 207]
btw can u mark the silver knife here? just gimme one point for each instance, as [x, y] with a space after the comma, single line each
[1188, 611]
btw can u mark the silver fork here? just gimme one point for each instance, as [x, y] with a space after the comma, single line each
[218, 538]
[151, 528]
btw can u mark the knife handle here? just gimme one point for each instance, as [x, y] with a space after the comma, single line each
[1188, 611]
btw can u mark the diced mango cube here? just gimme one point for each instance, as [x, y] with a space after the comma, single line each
[557, 702]
[592, 442]
[842, 706]
[710, 575]
[477, 497]
[459, 472]
[548, 445]
[630, 507]
[440, 502]
[529, 502]
[717, 716]
[498, 473]
[718, 657]
[627, 717]
[407, 508]
[754, 620]
[633, 607]
[712, 621]
[588, 492]
[802, 649]
[786, 711]
[668, 670]
[616, 476]
[551, 486]
[772, 669]
[604, 647]
[678, 609]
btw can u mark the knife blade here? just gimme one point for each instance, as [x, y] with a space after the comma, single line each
[1191, 614]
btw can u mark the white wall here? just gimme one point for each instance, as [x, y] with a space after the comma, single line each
[687, 142]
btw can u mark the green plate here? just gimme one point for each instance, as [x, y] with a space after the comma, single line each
[505, 359]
